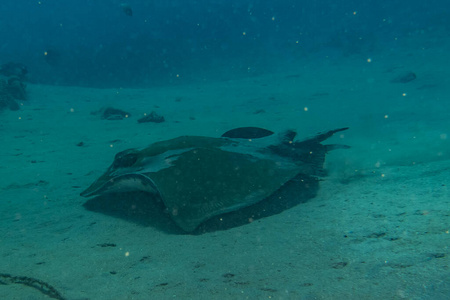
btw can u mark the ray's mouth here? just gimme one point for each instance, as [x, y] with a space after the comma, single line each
[121, 184]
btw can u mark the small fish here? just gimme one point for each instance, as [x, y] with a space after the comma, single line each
[127, 9]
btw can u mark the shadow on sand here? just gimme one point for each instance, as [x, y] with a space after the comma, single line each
[147, 210]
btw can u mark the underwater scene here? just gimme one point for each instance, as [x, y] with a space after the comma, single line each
[224, 149]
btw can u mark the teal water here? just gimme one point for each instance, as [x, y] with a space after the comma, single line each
[378, 226]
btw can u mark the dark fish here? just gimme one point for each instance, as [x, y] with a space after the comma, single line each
[247, 133]
[52, 57]
[127, 9]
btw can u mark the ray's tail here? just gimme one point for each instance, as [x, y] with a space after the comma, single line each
[310, 151]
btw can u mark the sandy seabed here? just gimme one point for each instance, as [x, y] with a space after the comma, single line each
[378, 228]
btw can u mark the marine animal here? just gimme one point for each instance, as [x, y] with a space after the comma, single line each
[52, 57]
[126, 8]
[198, 178]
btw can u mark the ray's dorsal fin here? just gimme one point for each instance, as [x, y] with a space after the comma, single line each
[247, 133]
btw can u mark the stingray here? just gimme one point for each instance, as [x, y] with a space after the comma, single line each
[198, 178]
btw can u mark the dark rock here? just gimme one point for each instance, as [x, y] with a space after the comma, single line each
[107, 245]
[13, 105]
[114, 114]
[152, 117]
[14, 69]
[16, 88]
[110, 113]
[259, 111]
[339, 265]
[437, 255]
[404, 78]
[9, 91]
[7, 102]
[113, 117]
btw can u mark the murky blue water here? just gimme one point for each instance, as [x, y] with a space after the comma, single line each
[76, 76]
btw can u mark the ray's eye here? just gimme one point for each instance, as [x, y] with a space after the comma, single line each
[125, 159]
